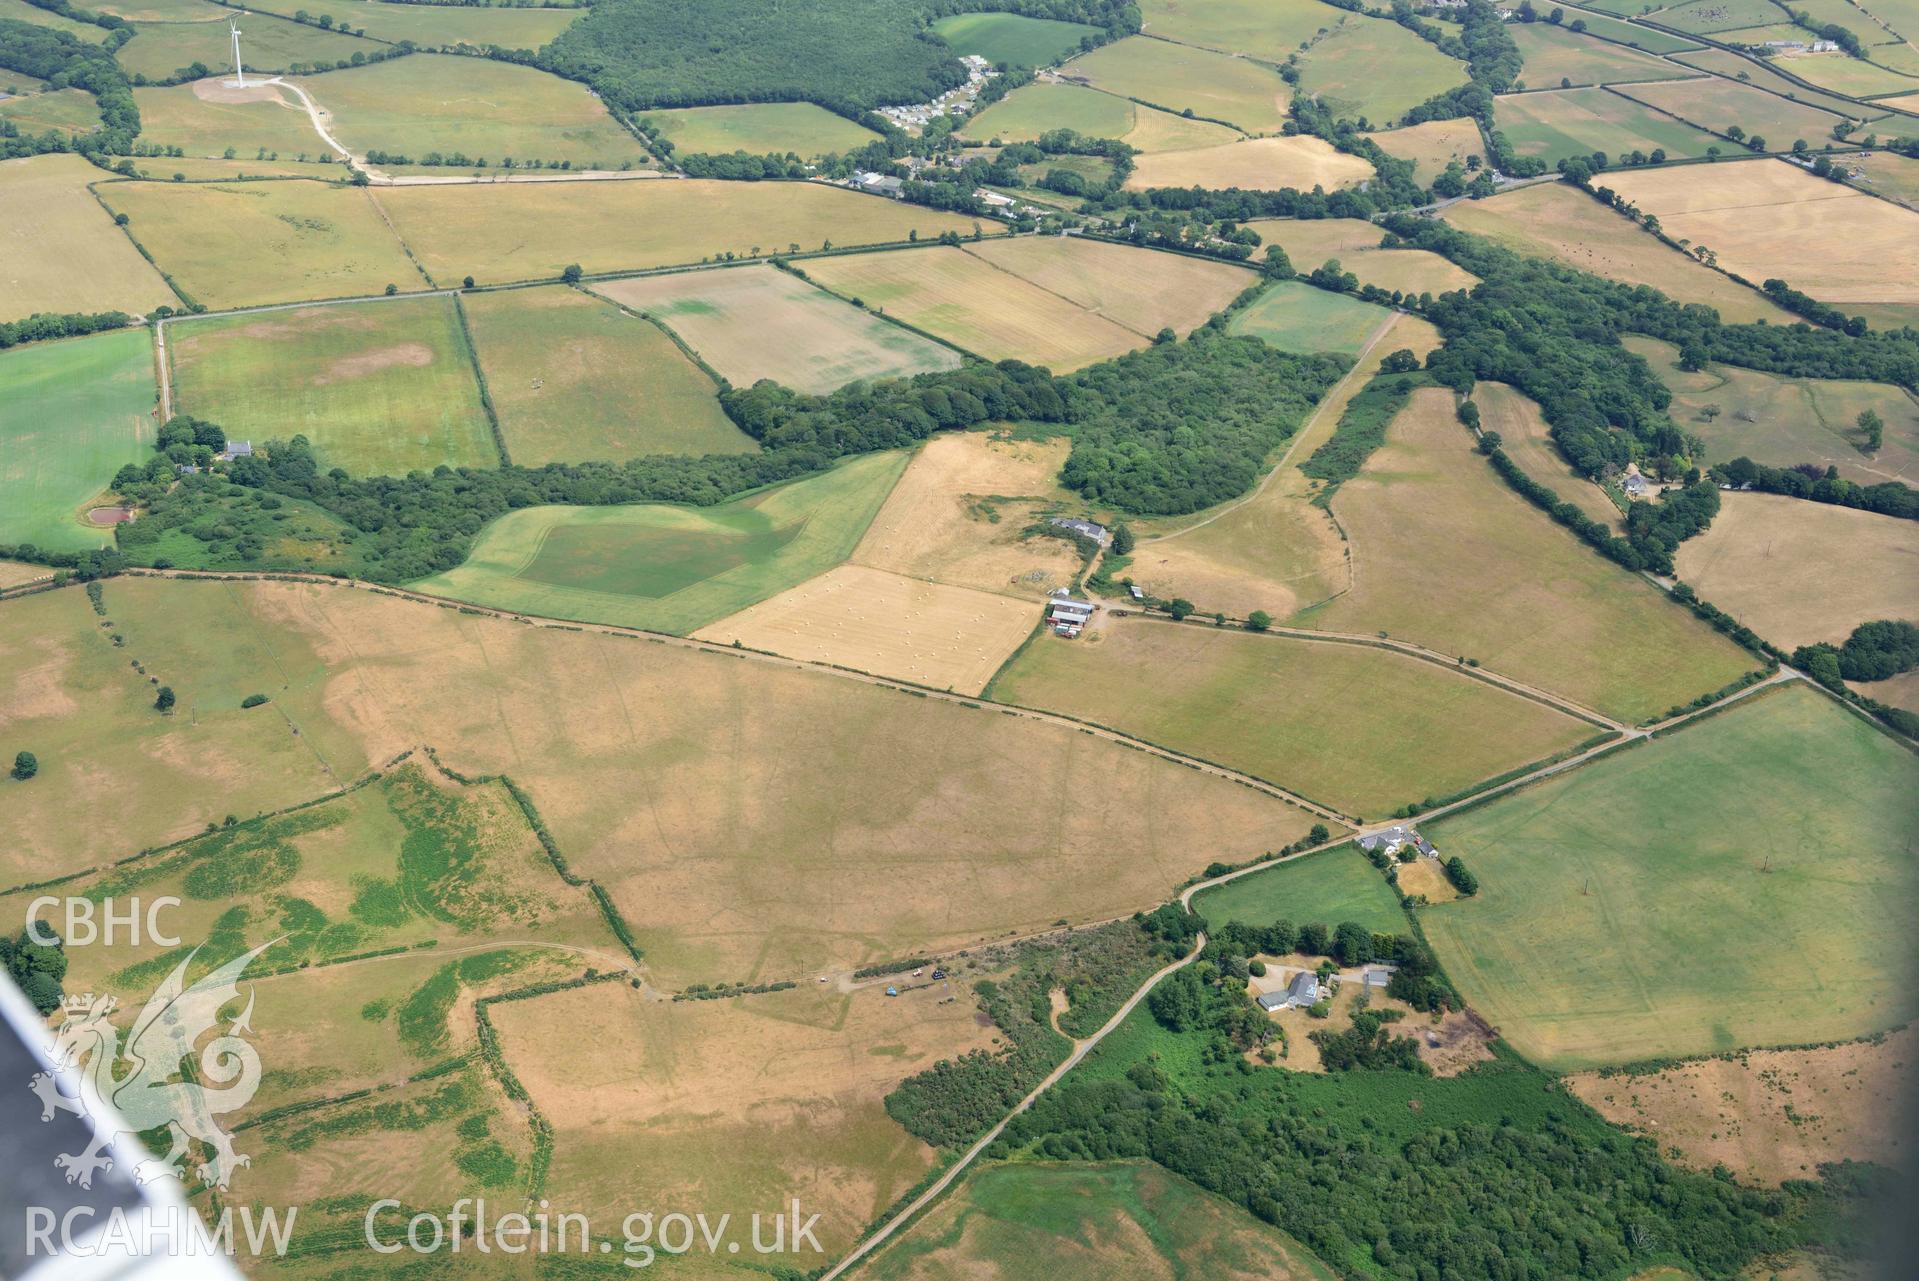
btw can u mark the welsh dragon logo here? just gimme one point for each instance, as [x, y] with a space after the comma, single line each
[150, 1082]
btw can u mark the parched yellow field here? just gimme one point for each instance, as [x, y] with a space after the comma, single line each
[1767, 218]
[1363, 729]
[974, 305]
[303, 240]
[958, 513]
[1448, 555]
[1274, 551]
[1899, 691]
[1433, 145]
[735, 1106]
[1260, 164]
[1769, 1115]
[1524, 436]
[1798, 572]
[1143, 289]
[1037, 108]
[59, 250]
[741, 813]
[1552, 220]
[872, 620]
[523, 231]
[1309, 242]
[15, 573]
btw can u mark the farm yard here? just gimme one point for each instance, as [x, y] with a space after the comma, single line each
[1769, 561]
[932, 634]
[1573, 942]
[380, 388]
[1756, 215]
[71, 414]
[759, 322]
[1360, 728]
[1553, 221]
[62, 251]
[493, 111]
[761, 128]
[669, 568]
[572, 377]
[1257, 164]
[967, 301]
[1079, 1221]
[531, 231]
[1182, 78]
[1294, 316]
[304, 240]
[1532, 603]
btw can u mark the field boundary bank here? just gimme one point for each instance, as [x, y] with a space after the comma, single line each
[896, 684]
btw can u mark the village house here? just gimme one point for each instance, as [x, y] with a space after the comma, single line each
[1304, 990]
[1084, 528]
[1394, 839]
[237, 449]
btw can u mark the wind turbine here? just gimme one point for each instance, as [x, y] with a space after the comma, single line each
[239, 80]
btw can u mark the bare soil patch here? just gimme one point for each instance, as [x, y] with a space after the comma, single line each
[406, 355]
[1424, 876]
[1770, 1115]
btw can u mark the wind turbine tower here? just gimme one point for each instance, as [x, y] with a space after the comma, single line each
[239, 80]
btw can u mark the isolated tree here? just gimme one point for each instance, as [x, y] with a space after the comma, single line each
[1123, 541]
[1875, 429]
[1180, 608]
[392, 289]
[1258, 621]
[25, 765]
[165, 700]
[572, 274]
[1319, 835]
[1400, 362]
[467, 283]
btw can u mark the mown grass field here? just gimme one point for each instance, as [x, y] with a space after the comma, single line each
[1707, 891]
[665, 568]
[1727, 63]
[161, 49]
[1530, 602]
[1181, 78]
[487, 109]
[1577, 122]
[760, 128]
[1258, 164]
[1086, 1222]
[1374, 70]
[1012, 37]
[1433, 145]
[302, 240]
[59, 251]
[1032, 110]
[976, 306]
[1295, 316]
[759, 322]
[1782, 422]
[71, 414]
[1254, 28]
[1327, 888]
[1720, 104]
[1310, 242]
[530, 231]
[1758, 215]
[1141, 289]
[572, 378]
[1770, 562]
[1551, 220]
[1553, 54]
[380, 388]
[1364, 730]
[432, 25]
[740, 812]
[1845, 74]
[205, 118]
[62, 111]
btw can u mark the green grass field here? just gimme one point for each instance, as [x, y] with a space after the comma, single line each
[1364, 730]
[179, 117]
[1089, 1222]
[21, 11]
[1705, 16]
[1554, 54]
[65, 111]
[572, 379]
[1182, 78]
[71, 414]
[1577, 122]
[1727, 63]
[380, 388]
[1633, 36]
[1034, 109]
[1012, 37]
[1294, 316]
[430, 25]
[671, 569]
[488, 110]
[303, 240]
[1255, 28]
[1329, 888]
[761, 128]
[161, 50]
[1741, 882]
[1376, 70]
[1782, 422]
[1720, 104]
